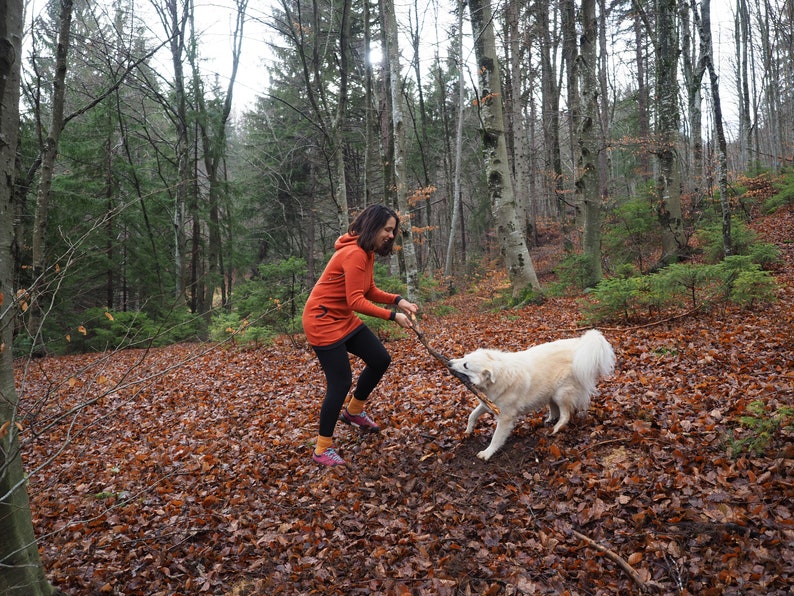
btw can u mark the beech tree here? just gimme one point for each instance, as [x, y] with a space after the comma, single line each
[510, 232]
[587, 182]
[399, 168]
[703, 20]
[668, 120]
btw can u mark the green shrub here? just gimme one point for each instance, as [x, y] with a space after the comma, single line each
[100, 330]
[274, 299]
[574, 272]
[614, 299]
[754, 286]
[784, 195]
[632, 233]
[710, 237]
[227, 326]
[744, 282]
[388, 282]
[687, 280]
[757, 429]
[528, 295]
[180, 325]
[764, 254]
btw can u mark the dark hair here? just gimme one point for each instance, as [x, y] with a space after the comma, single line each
[369, 222]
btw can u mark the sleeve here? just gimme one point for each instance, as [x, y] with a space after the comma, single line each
[361, 290]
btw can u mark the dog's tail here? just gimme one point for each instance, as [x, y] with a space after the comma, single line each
[594, 358]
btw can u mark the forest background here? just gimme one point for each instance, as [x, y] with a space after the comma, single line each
[140, 210]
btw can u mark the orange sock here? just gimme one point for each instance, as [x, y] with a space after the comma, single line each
[355, 407]
[323, 443]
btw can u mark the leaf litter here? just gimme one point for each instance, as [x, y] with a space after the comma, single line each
[191, 472]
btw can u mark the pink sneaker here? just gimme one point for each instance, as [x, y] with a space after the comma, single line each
[362, 421]
[329, 457]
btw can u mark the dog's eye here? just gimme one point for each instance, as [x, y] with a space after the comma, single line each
[466, 365]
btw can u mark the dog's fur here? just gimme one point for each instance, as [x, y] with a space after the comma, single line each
[561, 375]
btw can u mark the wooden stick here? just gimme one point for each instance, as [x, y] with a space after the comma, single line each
[644, 586]
[461, 377]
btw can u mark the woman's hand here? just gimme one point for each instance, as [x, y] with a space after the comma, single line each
[403, 320]
[408, 308]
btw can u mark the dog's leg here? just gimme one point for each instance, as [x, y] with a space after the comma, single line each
[565, 416]
[475, 414]
[504, 426]
[554, 412]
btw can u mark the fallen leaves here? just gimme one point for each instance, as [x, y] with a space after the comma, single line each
[197, 478]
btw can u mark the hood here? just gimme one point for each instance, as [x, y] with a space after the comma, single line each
[345, 240]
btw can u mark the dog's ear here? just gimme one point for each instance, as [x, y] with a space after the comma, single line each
[487, 373]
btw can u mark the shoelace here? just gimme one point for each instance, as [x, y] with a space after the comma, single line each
[333, 455]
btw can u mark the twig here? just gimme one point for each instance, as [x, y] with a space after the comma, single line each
[461, 377]
[599, 444]
[644, 586]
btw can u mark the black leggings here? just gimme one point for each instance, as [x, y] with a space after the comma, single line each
[339, 376]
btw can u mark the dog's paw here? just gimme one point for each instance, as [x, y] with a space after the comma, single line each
[469, 430]
[485, 454]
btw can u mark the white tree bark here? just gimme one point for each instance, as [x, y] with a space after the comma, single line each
[510, 232]
[399, 167]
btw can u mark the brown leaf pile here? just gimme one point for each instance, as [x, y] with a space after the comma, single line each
[192, 473]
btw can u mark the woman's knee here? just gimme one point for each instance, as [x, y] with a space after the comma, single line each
[380, 361]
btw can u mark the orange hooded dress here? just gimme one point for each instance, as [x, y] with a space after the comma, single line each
[347, 286]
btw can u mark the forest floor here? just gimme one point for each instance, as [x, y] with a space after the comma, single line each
[192, 472]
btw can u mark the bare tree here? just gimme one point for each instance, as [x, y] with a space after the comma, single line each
[743, 47]
[310, 45]
[668, 120]
[457, 200]
[550, 100]
[174, 19]
[587, 180]
[21, 572]
[213, 132]
[49, 154]
[703, 21]
[340, 118]
[510, 232]
[517, 120]
[399, 169]
[694, 68]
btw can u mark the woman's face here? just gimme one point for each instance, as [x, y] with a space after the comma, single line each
[386, 233]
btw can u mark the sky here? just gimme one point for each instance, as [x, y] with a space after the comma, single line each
[216, 18]
[215, 21]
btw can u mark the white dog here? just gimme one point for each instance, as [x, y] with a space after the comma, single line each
[561, 375]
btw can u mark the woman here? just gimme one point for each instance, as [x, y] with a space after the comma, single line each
[333, 329]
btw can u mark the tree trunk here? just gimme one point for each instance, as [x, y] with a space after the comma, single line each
[457, 200]
[21, 572]
[587, 182]
[604, 161]
[550, 100]
[399, 168]
[693, 70]
[369, 106]
[174, 25]
[49, 153]
[742, 43]
[212, 128]
[570, 53]
[510, 232]
[642, 99]
[707, 51]
[340, 120]
[520, 149]
[668, 181]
